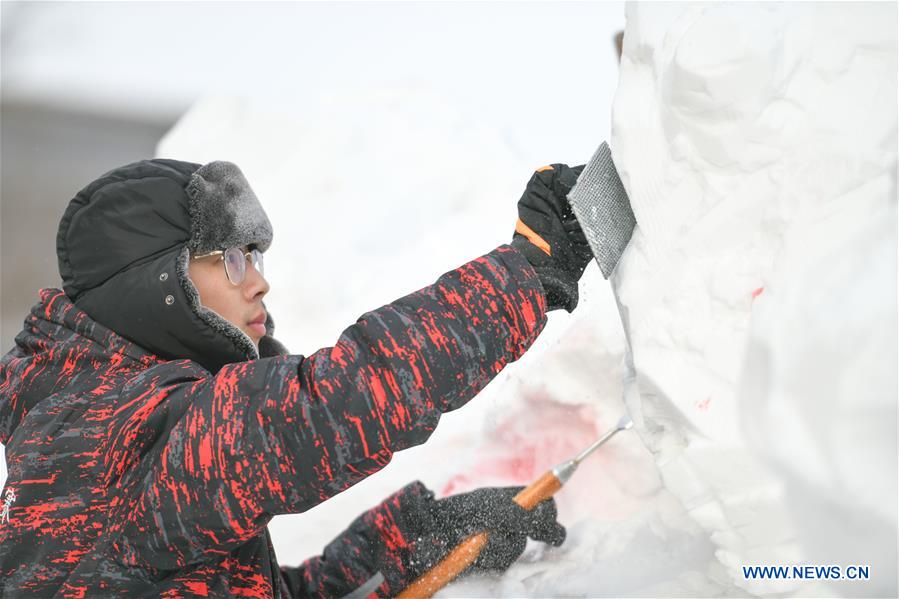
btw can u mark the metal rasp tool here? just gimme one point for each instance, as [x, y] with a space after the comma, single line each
[603, 209]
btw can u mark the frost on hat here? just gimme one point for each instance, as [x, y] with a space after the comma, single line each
[224, 210]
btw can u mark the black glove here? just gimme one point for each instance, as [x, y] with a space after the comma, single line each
[410, 532]
[549, 235]
[455, 518]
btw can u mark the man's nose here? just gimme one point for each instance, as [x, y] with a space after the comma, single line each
[255, 285]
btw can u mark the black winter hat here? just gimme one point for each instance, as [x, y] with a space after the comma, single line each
[124, 245]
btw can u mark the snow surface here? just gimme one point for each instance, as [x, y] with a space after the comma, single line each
[758, 145]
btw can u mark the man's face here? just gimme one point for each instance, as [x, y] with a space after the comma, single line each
[241, 305]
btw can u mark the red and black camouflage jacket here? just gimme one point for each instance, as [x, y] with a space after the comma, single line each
[129, 475]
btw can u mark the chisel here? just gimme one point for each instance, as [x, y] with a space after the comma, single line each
[468, 550]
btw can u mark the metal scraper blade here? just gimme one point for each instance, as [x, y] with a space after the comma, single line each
[603, 209]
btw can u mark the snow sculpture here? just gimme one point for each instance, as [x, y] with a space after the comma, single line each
[751, 138]
[818, 396]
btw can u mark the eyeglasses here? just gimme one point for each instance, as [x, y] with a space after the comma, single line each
[236, 262]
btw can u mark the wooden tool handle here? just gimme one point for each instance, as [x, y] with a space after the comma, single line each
[540, 490]
[468, 550]
[449, 567]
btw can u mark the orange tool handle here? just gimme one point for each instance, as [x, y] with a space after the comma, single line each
[468, 550]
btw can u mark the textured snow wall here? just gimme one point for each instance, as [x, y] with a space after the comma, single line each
[817, 399]
[757, 143]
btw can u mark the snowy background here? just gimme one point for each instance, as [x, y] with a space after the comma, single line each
[389, 143]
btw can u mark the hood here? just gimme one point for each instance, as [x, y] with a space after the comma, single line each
[57, 346]
[124, 245]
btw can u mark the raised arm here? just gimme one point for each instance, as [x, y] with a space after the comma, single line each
[280, 435]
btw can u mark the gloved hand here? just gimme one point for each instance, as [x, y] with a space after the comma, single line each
[453, 519]
[549, 235]
[394, 543]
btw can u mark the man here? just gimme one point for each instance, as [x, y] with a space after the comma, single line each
[153, 425]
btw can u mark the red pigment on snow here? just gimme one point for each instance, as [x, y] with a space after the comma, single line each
[757, 292]
[704, 404]
[539, 435]
[457, 484]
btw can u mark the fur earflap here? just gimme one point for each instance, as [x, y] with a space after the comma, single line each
[242, 342]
